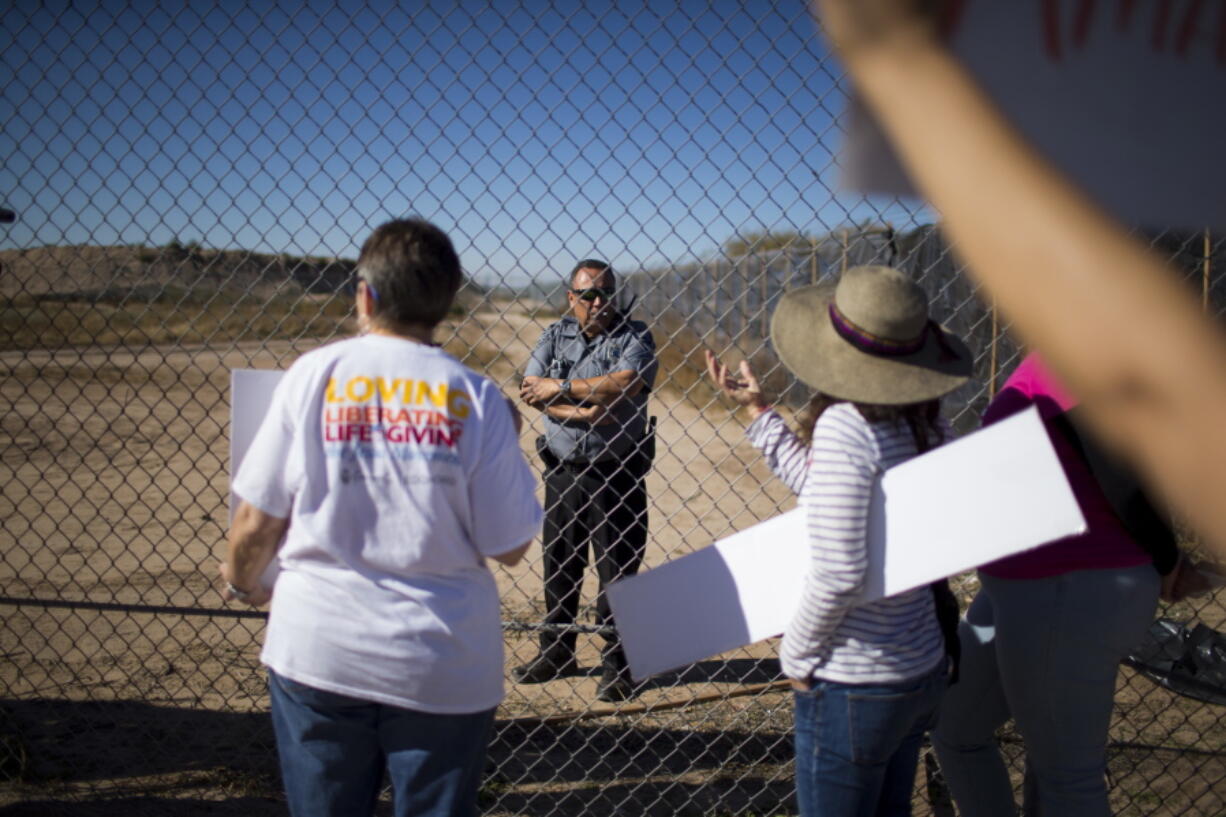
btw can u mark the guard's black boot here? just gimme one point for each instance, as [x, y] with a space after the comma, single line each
[549, 665]
[615, 686]
[615, 682]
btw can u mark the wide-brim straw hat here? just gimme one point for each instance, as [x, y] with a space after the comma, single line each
[868, 339]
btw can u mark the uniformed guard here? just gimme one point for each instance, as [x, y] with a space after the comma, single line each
[590, 374]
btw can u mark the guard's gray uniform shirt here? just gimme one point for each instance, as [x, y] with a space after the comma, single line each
[565, 352]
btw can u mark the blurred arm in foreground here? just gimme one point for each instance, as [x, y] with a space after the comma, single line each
[1111, 319]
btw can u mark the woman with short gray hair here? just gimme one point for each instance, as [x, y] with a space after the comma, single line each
[393, 472]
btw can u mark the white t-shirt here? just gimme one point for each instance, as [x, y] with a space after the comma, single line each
[399, 469]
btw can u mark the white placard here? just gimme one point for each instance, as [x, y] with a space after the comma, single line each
[250, 395]
[991, 494]
[1124, 98]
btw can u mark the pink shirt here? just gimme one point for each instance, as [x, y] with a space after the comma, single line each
[1105, 544]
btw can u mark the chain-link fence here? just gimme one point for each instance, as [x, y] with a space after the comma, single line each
[190, 184]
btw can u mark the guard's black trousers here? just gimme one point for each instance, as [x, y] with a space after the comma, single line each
[604, 504]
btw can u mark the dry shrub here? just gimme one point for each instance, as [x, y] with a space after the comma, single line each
[182, 316]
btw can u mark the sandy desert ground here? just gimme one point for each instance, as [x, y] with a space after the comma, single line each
[131, 682]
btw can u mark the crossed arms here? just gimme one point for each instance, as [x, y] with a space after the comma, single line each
[590, 398]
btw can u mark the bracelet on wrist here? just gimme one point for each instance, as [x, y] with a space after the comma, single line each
[238, 592]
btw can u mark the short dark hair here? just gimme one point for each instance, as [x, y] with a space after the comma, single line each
[591, 263]
[414, 268]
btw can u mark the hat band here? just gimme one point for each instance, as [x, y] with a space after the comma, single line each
[869, 343]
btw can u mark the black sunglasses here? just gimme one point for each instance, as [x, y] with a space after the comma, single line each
[593, 293]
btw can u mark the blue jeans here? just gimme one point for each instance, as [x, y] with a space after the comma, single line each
[857, 745]
[1045, 652]
[333, 750]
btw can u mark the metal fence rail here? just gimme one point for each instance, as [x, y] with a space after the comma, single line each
[190, 186]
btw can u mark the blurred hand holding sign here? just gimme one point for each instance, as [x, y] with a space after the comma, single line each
[1125, 97]
[985, 496]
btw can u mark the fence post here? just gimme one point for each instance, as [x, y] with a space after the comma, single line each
[764, 275]
[1204, 298]
[992, 363]
[743, 309]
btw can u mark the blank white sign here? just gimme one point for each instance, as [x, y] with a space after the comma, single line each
[250, 395]
[991, 494]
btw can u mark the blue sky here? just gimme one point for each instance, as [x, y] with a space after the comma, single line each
[647, 134]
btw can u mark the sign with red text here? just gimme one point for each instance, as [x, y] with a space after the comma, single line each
[1125, 97]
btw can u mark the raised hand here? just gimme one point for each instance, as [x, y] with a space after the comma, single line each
[744, 390]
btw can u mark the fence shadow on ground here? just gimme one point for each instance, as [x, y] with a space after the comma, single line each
[66, 742]
[610, 769]
[102, 758]
[731, 671]
[142, 806]
[679, 797]
[174, 760]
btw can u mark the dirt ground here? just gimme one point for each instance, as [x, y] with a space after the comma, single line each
[115, 496]
[117, 696]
